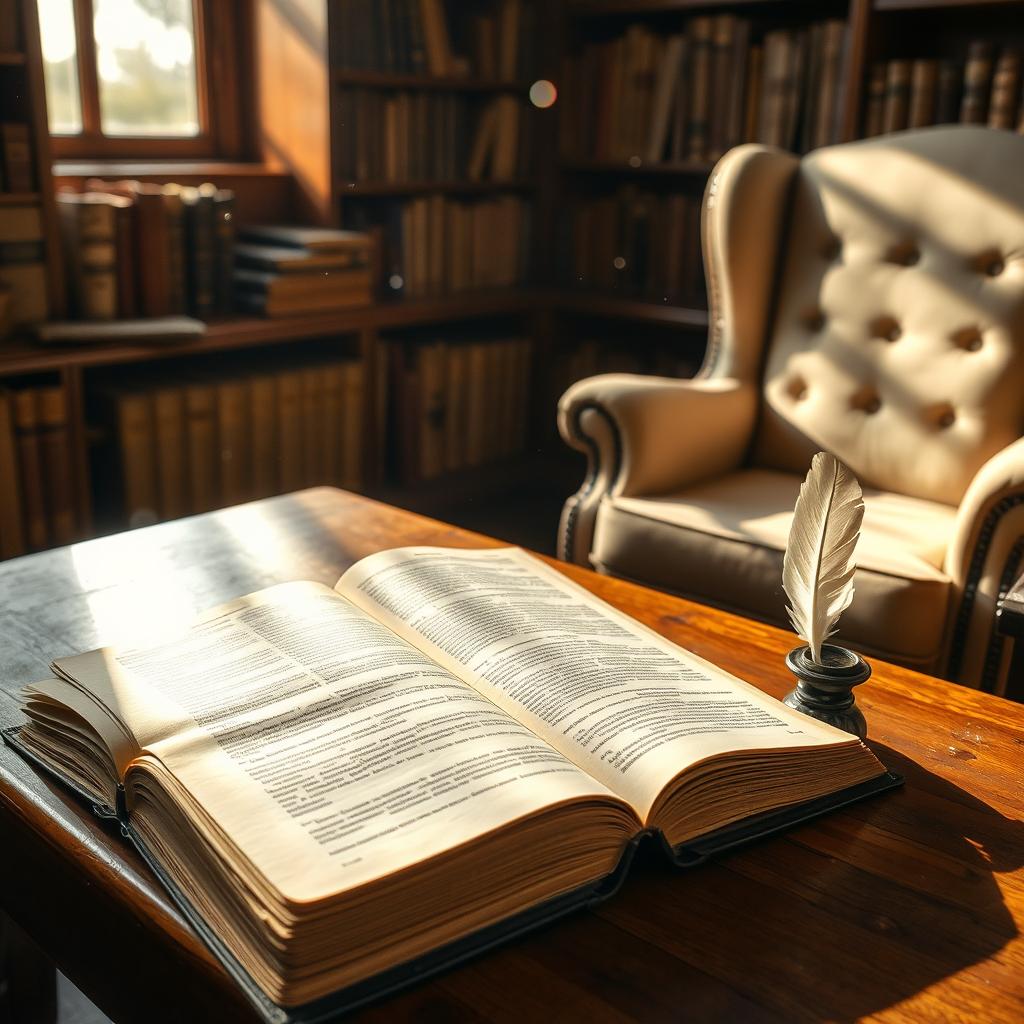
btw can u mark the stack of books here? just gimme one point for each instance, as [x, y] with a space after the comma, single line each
[37, 505]
[421, 37]
[218, 438]
[285, 270]
[983, 89]
[692, 95]
[637, 242]
[455, 405]
[135, 248]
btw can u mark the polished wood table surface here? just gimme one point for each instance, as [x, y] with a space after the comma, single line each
[906, 907]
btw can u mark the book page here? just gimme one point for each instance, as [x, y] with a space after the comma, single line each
[627, 705]
[322, 745]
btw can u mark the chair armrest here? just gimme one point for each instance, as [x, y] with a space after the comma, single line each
[649, 435]
[985, 551]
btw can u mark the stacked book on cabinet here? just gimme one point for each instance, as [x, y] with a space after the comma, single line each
[493, 42]
[37, 501]
[645, 96]
[283, 270]
[984, 88]
[220, 438]
[449, 406]
[434, 245]
[637, 242]
[138, 249]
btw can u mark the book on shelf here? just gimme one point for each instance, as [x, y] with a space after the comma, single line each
[982, 87]
[496, 42]
[16, 162]
[284, 270]
[690, 95]
[10, 36]
[91, 232]
[23, 264]
[398, 772]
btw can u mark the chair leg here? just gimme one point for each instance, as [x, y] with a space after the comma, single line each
[28, 978]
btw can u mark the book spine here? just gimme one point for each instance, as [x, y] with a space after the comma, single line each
[224, 233]
[263, 405]
[353, 432]
[135, 431]
[55, 461]
[169, 426]
[201, 430]
[30, 468]
[700, 96]
[924, 81]
[233, 446]
[977, 83]
[432, 409]
[897, 96]
[1006, 88]
[289, 409]
[174, 219]
[332, 427]
[12, 533]
[16, 154]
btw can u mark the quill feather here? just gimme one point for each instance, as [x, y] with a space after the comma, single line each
[817, 570]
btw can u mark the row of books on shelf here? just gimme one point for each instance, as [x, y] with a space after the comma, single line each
[433, 245]
[134, 248]
[17, 168]
[37, 501]
[495, 43]
[985, 88]
[24, 297]
[449, 406]
[403, 136]
[692, 95]
[209, 441]
[286, 270]
[637, 242]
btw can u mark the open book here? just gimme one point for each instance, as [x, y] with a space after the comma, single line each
[338, 782]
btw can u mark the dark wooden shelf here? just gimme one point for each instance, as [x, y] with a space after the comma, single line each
[18, 198]
[11, 58]
[596, 8]
[410, 188]
[389, 80]
[626, 308]
[640, 168]
[18, 357]
[925, 5]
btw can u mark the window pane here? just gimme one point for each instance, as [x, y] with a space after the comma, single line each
[60, 66]
[145, 59]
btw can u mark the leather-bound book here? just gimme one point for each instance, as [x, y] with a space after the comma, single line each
[23, 264]
[737, 65]
[56, 463]
[171, 451]
[924, 80]
[875, 100]
[477, 411]
[233, 441]
[752, 99]
[89, 231]
[947, 92]
[701, 35]
[137, 443]
[433, 409]
[289, 412]
[224, 244]
[772, 119]
[977, 83]
[203, 263]
[174, 218]
[12, 531]
[826, 131]
[201, 435]
[456, 417]
[16, 157]
[332, 384]
[353, 425]
[1006, 87]
[30, 477]
[897, 102]
[724, 82]
[312, 426]
[263, 433]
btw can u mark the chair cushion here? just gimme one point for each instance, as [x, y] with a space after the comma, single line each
[722, 542]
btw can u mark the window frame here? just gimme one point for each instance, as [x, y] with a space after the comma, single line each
[224, 128]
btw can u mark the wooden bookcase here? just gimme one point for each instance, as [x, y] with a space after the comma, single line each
[300, 82]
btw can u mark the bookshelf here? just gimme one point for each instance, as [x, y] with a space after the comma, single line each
[305, 66]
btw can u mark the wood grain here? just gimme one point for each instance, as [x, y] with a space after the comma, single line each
[904, 908]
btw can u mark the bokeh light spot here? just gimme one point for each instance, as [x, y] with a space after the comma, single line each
[543, 94]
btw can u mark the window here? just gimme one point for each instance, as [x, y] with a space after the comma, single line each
[131, 78]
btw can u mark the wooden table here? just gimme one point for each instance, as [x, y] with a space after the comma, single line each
[905, 908]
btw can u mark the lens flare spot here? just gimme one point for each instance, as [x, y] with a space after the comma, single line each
[543, 94]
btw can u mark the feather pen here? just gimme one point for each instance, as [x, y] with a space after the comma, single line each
[817, 570]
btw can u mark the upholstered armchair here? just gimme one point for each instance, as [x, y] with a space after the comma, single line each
[867, 300]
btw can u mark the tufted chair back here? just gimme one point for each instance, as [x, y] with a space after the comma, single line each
[897, 340]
